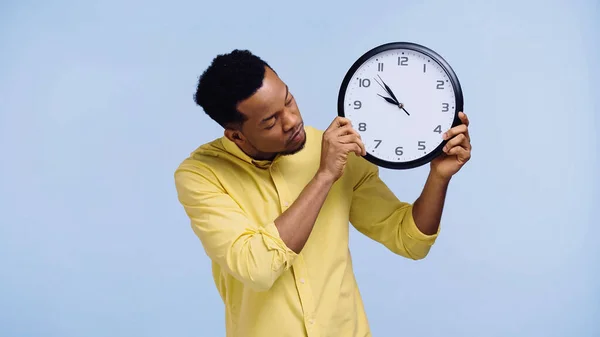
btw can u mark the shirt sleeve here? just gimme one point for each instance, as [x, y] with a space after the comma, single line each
[377, 213]
[253, 253]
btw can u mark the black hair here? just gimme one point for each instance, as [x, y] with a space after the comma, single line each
[230, 79]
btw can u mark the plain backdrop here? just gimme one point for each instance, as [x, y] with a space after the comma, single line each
[97, 112]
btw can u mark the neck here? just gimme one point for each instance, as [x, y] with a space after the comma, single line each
[255, 154]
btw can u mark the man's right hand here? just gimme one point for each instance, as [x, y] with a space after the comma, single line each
[338, 141]
[296, 223]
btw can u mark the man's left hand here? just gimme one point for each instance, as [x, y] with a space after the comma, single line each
[457, 150]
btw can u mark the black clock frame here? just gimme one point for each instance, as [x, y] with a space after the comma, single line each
[458, 96]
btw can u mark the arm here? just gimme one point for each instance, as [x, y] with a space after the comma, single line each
[376, 212]
[427, 209]
[408, 230]
[255, 254]
[251, 252]
[296, 223]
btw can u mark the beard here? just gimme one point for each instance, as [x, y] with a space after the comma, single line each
[297, 149]
[254, 152]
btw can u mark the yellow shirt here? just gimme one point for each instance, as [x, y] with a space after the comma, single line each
[268, 290]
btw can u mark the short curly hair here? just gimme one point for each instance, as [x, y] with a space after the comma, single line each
[230, 79]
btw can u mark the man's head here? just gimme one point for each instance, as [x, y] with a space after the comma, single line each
[245, 96]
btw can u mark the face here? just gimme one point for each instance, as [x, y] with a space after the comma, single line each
[274, 124]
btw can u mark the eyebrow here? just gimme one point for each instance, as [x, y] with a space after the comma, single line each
[273, 115]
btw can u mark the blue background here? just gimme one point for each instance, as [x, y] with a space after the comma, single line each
[97, 112]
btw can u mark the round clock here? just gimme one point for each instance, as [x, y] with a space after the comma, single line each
[401, 97]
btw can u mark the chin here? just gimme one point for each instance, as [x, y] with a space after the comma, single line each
[295, 149]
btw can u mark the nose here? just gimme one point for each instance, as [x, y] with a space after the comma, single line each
[290, 121]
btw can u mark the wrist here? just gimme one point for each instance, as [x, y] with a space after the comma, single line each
[324, 179]
[439, 179]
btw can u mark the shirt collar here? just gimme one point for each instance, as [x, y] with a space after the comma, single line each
[233, 149]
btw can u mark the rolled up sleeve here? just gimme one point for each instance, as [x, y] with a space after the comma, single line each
[253, 253]
[377, 212]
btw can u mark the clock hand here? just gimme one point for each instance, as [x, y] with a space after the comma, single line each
[389, 91]
[392, 100]
[389, 100]
[401, 106]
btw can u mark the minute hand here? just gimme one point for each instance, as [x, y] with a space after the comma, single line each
[388, 89]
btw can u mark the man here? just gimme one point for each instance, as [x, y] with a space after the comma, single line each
[271, 202]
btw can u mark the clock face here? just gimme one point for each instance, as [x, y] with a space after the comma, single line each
[401, 98]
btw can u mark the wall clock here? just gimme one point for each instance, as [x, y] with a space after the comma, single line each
[401, 97]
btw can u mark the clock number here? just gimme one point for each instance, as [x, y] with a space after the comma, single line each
[364, 82]
[438, 129]
[440, 84]
[421, 145]
[402, 60]
[399, 151]
[362, 127]
[378, 142]
[357, 105]
[380, 66]
[445, 107]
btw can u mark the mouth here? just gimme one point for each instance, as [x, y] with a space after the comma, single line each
[291, 140]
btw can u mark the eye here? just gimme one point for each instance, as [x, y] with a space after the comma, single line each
[288, 103]
[272, 125]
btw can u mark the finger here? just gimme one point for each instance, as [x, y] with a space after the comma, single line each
[354, 147]
[336, 132]
[459, 129]
[462, 155]
[459, 140]
[463, 118]
[363, 151]
[339, 121]
[354, 139]
[346, 130]
[350, 138]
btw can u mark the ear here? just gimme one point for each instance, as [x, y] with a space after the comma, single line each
[234, 135]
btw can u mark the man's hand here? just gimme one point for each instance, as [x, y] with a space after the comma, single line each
[296, 223]
[338, 141]
[456, 152]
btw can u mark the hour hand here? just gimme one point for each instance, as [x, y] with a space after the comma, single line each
[389, 100]
[392, 101]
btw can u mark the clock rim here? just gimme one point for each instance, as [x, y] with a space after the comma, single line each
[458, 96]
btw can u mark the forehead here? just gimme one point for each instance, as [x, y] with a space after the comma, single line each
[267, 100]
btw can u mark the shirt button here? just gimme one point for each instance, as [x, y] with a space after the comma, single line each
[286, 204]
[302, 280]
[312, 321]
